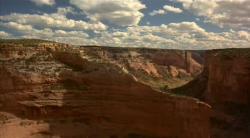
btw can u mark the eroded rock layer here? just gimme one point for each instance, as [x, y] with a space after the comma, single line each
[225, 85]
[228, 92]
[56, 90]
[158, 68]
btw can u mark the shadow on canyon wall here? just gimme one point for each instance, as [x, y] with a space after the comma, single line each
[56, 90]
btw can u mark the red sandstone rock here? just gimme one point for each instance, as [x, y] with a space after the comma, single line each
[153, 67]
[225, 85]
[58, 91]
[228, 92]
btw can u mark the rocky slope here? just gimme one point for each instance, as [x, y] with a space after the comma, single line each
[55, 90]
[158, 68]
[225, 85]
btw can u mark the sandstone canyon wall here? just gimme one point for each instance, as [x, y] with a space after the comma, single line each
[155, 67]
[228, 92]
[55, 90]
[225, 85]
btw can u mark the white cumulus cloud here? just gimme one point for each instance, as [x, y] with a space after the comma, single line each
[231, 13]
[120, 12]
[55, 20]
[44, 2]
[3, 34]
[183, 35]
[172, 9]
[157, 12]
[166, 9]
[16, 26]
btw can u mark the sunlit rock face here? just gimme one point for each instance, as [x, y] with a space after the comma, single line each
[56, 90]
[155, 67]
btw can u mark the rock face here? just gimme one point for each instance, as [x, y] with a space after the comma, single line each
[55, 90]
[155, 67]
[225, 85]
[229, 77]
[228, 92]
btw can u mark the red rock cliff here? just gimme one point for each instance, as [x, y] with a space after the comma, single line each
[228, 91]
[225, 85]
[155, 67]
[229, 77]
[57, 91]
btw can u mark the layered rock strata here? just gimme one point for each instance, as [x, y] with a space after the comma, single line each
[56, 90]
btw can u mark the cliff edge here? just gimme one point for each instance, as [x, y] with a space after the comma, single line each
[55, 90]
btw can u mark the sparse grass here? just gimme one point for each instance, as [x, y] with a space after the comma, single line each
[164, 88]
[167, 83]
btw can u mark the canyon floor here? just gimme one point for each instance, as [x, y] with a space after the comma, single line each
[55, 90]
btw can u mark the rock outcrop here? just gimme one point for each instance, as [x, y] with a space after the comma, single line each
[228, 92]
[56, 90]
[225, 85]
[155, 67]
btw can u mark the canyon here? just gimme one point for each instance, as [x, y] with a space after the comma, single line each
[225, 85]
[50, 89]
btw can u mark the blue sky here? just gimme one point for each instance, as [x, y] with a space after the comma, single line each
[179, 24]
